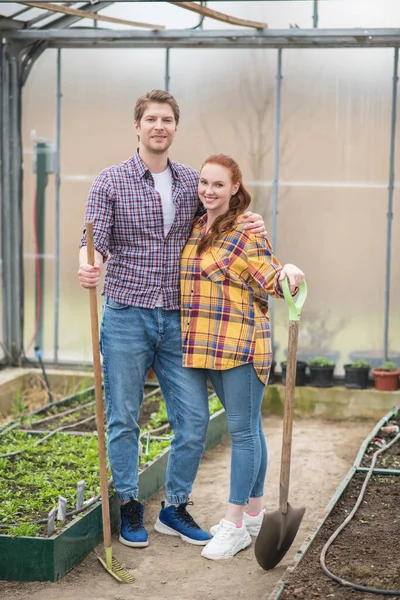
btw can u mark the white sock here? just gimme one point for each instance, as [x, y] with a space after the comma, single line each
[253, 515]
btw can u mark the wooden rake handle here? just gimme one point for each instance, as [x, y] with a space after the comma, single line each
[101, 439]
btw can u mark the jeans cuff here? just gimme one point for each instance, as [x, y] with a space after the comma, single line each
[128, 496]
[239, 502]
[257, 494]
[177, 499]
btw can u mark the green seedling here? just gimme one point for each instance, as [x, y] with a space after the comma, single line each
[320, 362]
[388, 366]
[360, 364]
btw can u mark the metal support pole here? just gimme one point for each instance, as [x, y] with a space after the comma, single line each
[41, 182]
[11, 204]
[57, 211]
[275, 184]
[167, 76]
[315, 14]
[390, 204]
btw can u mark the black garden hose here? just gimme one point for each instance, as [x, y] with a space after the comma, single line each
[340, 580]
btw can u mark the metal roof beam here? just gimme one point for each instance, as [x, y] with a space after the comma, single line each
[7, 23]
[44, 14]
[67, 10]
[67, 20]
[278, 38]
[19, 12]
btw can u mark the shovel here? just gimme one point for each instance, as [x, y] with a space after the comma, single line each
[110, 563]
[279, 528]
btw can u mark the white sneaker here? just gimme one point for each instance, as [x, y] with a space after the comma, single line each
[252, 524]
[227, 542]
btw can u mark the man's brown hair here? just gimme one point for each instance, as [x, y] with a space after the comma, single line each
[159, 96]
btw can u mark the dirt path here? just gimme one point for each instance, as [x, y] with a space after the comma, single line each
[172, 570]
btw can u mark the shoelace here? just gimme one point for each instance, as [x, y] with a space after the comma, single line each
[183, 516]
[223, 532]
[134, 515]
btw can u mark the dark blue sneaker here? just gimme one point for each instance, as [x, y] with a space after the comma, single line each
[132, 531]
[175, 520]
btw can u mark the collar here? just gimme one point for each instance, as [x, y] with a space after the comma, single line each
[140, 168]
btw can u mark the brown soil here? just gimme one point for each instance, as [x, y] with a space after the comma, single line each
[172, 570]
[366, 552]
[389, 459]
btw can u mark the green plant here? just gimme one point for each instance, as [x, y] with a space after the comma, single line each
[158, 418]
[320, 361]
[18, 405]
[32, 481]
[359, 364]
[387, 366]
[214, 404]
[29, 529]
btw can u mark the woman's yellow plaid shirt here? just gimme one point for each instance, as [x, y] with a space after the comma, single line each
[224, 301]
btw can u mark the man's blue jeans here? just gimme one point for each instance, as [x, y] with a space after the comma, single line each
[132, 340]
[241, 393]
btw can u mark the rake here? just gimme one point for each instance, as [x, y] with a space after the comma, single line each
[110, 563]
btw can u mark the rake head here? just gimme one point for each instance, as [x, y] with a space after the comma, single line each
[114, 567]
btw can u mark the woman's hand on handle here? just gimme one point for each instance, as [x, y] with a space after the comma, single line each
[294, 275]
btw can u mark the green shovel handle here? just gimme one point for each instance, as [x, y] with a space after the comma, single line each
[294, 306]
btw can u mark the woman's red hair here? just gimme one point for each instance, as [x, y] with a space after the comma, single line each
[237, 204]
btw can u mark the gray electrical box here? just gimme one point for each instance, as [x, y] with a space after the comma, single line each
[44, 149]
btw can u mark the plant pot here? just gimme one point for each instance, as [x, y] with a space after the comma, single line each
[300, 373]
[356, 378]
[386, 381]
[271, 378]
[321, 376]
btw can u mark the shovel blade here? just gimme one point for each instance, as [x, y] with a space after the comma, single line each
[277, 534]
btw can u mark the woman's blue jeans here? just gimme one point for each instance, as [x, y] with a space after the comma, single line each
[241, 393]
[132, 340]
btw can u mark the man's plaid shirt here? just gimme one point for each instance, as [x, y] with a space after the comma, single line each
[224, 301]
[127, 216]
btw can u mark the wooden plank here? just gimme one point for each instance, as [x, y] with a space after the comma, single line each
[66, 10]
[214, 14]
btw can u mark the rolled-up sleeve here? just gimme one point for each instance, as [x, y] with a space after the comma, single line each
[263, 268]
[100, 211]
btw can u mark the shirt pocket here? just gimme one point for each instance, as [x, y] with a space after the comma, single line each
[215, 266]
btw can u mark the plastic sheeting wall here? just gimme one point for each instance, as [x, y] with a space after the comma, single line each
[335, 128]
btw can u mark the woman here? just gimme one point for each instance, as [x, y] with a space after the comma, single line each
[227, 274]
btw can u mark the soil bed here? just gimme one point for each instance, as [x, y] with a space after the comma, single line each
[37, 469]
[172, 569]
[366, 552]
[390, 459]
[74, 411]
[33, 394]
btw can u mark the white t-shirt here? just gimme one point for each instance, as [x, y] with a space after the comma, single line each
[163, 185]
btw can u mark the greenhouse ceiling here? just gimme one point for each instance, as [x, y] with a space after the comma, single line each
[82, 24]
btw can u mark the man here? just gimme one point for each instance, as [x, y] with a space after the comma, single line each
[142, 211]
